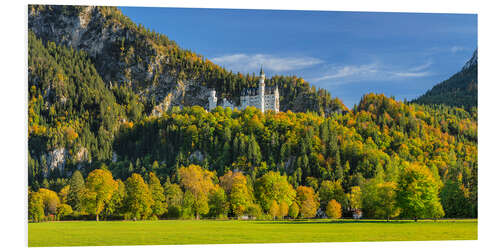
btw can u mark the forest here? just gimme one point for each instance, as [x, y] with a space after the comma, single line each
[382, 159]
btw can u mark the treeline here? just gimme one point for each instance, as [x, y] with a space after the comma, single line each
[369, 148]
[199, 193]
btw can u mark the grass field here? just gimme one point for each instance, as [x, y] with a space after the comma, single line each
[90, 233]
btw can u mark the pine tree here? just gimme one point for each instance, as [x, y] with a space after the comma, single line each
[76, 188]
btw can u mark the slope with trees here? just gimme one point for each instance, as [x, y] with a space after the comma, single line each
[460, 90]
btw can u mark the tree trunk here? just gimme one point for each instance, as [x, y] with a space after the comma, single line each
[97, 217]
[416, 219]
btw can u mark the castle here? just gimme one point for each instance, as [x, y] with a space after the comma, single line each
[263, 98]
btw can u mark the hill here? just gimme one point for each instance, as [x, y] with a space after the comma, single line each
[460, 90]
[154, 66]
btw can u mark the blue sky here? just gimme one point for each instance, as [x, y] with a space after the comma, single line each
[348, 53]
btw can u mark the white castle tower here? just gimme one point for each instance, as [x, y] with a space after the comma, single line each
[276, 99]
[212, 100]
[262, 98]
[262, 90]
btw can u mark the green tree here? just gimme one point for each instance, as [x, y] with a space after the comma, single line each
[294, 210]
[35, 206]
[273, 187]
[417, 192]
[330, 190]
[115, 204]
[217, 202]
[240, 197]
[355, 198]
[254, 210]
[159, 205]
[99, 188]
[138, 199]
[312, 182]
[187, 210]
[63, 194]
[63, 210]
[173, 196]
[454, 199]
[385, 201]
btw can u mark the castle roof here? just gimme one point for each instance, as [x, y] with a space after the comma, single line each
[269, 90]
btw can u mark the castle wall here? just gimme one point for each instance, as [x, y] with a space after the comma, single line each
[263, 99]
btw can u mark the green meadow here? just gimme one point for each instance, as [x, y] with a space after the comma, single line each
[91, 233]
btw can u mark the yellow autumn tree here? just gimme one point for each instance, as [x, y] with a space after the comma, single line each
[199, 182]
[283, 209]
[274, 209]
[333, 209]
[308, 201]
[99, 188]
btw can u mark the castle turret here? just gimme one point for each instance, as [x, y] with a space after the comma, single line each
[262, 90]
[276, 99]
[212, 100]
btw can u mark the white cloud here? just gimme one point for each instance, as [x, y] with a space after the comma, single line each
[371, 72]
[421, 67]
[348, 71]
[252, 63]
[456, 49]
[411, 74]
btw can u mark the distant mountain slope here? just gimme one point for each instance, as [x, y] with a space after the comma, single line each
[154, 66]
[460, 90]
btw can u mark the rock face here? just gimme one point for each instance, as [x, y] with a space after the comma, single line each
[82, 157]
[121, 55]
[197, 155]
[472, 62]
[56, 159]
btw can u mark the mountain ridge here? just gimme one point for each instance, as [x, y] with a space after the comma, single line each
[460, 90]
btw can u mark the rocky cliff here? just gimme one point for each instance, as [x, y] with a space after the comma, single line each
[120, 52]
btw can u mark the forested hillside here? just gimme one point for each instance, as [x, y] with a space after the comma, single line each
[72, 116]
[154, 66]
[95, 77]
[380, 138]
[460, 90]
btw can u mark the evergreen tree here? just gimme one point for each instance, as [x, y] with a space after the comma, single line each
[76, 188]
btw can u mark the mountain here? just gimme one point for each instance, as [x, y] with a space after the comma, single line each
[155, 67]
[460, 90]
